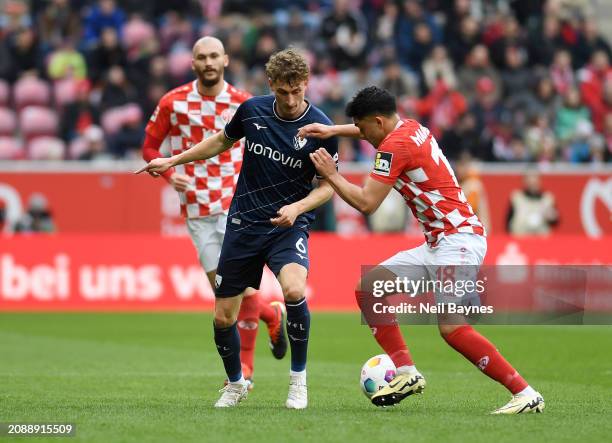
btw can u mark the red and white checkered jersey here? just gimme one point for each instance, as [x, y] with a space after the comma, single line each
[410, 159]
[184, 117]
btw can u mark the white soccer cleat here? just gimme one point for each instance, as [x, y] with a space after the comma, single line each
[298, 392]
[522, 404]
[232, 394]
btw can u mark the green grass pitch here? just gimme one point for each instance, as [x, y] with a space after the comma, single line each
[155, 377]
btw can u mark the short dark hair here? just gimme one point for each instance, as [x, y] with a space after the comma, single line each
[370, 101]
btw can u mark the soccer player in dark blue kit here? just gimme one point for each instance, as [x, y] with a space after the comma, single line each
[270, 214]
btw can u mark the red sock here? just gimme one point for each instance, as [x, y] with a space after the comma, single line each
[267, 314]
[482, 353]
[248, 322]
[385, 330]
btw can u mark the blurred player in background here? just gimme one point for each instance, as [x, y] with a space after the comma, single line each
[270, 214]
[185, 116]
[408, 159]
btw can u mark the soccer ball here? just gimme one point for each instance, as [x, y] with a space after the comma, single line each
[376, 373]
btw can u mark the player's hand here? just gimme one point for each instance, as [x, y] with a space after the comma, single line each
[180, 182]
[157, 166]
[286, 216]
[316, 130]
[325, 164]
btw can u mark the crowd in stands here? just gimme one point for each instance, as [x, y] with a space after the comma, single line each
[504, 80]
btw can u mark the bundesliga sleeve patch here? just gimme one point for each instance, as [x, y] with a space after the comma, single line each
[382, 163]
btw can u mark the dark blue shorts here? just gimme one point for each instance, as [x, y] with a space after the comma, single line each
[243, 257]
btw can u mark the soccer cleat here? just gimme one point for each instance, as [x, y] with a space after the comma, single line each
[250, 383]
[521, 404]
[298, 392]
[247, 373]
[278, 337]
[399, 388]
[232, 394]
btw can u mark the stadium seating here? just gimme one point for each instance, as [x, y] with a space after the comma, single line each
[11, 148]
[179, 63]
[31, 91]
[46, 148]
[8, 122]
[65, 91]
[35, 121]
[113, 119]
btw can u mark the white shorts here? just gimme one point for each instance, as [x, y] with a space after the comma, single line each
[207, 235]
[463, 252]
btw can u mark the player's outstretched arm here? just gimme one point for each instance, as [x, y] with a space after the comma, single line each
[366, 199]
[318, 196]
[207, 148]
[319, 130]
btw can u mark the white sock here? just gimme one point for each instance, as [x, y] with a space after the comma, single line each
[527, 391]
[240, 382]
[301, 374]
[407, 369]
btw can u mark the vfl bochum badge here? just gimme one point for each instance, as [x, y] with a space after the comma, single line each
[299, 142]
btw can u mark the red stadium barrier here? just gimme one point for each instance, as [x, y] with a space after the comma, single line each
[120, 202]
[150, 272]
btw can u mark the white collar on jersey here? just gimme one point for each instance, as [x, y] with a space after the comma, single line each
[290, 121]
[398, 124]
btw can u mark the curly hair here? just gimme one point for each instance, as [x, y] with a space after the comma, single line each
[287, 66]
[371, 100]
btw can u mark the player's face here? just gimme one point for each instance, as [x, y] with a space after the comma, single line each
[371, 129]
[290, 101]
[209, 62]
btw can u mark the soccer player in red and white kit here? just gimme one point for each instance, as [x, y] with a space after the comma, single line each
[185, 116]
[409, 159]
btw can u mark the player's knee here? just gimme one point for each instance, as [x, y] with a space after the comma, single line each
[224, 319]
[293, 292]
[446, 329]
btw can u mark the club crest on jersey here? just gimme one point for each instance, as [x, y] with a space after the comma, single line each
[299, 142]
[227, 115]
[382, 163]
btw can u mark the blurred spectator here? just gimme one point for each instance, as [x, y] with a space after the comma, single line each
[441, 108]
[601, 108]
[477, 67]
[58, 22]
[105, 14]
[38, 217]
[487, 110]
[20, 54]
[532, 211]
[296, 32]
[592, 79]
[117, 91]
[473, 188]
[67, 62]
[107, 53]
[545, 101]
[79, 115]
[561, 72]
[93, 146]
[14, 15]
[545, 41]
[570, 115]
[175, 29]
[589, 42]
[345, 31]
[412, 14]
[461, 45]
[398, 81]
[127, 141]
[385, 28]
[540, 139]
[512, 37]
[439, 67]
[516, 77]
[464, 137]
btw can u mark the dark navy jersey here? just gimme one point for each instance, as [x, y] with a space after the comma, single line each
[276, 168]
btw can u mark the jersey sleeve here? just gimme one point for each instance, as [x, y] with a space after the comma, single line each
[331, 146]
[392, 158]
[159, 123]
[234, 129]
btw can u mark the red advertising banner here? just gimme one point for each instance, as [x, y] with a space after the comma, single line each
[121, 202]
[150, 272]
